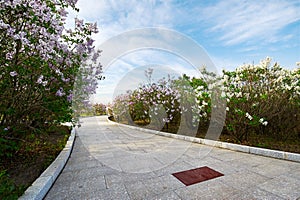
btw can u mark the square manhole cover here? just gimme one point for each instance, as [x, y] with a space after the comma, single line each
[197, 175]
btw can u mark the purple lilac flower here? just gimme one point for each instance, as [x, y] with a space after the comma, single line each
[70, 97]
[60, 92]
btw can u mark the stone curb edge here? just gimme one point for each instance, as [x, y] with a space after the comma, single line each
[42, 185]
[225, 145]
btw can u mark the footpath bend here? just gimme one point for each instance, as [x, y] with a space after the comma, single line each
[113, 162]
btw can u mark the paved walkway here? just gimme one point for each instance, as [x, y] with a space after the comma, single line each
[113, 162]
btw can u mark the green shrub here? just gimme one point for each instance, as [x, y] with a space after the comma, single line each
[8, 190]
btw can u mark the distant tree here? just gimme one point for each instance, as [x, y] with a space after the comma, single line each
[100, 109]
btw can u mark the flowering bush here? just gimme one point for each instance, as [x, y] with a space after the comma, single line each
[156, 101]
[119, 108]
[100, 109]
[39, 61]
[39, 64]
[158, 104]
[153, 101]
[202, 88]
[262, 99]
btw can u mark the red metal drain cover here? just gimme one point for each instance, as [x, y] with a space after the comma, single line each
[197, 175]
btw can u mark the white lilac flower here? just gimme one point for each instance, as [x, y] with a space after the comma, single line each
[249, 116]
[239, 94]
[13, 73]
[200, 87]
[265, 123]
[261, 120]
[40, 79]
[223, 94]
[9, 56]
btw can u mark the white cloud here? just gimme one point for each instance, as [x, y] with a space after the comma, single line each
[244, 21]
[127, 72]
[250, 24]
[114, 17]
[225, 63]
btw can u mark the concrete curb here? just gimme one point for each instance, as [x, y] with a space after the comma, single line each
[42, 185]
[225, 145]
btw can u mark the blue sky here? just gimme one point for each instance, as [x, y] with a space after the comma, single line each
[232, 32]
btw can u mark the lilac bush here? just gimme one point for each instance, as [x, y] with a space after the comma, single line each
[100, 109]
[40, 61]
[160, 103]
[119, 107]
[262, 99]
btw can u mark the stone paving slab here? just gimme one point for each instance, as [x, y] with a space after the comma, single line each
[109, 162]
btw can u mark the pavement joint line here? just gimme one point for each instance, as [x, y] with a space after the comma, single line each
[224, 145]
[40, 187]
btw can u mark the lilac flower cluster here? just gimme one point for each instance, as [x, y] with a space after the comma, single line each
[36, 30]
[153, 95]
[145, 102]
[39, 57]
[260, 95]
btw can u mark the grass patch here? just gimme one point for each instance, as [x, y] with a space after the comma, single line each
[32, 155]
